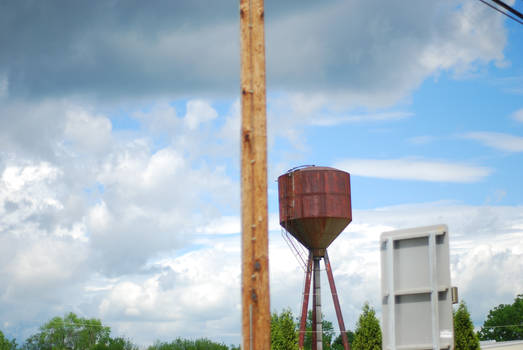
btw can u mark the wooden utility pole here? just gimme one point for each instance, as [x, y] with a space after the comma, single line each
[255, 261]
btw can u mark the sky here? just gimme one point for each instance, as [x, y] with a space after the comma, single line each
[119, 153]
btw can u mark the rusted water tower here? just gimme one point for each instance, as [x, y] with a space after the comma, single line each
[315, 207]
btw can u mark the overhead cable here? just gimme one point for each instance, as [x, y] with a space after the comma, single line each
[509, 8]
[500, 11]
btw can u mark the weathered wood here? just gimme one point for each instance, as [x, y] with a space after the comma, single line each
[255, 260]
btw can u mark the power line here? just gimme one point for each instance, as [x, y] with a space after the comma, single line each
[509, 8]
[500, 11]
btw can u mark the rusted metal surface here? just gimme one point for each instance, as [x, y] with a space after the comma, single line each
[305, 304]
[317, 318]
[314, 344]
[315, 205]
[313, 266]
[336, 303]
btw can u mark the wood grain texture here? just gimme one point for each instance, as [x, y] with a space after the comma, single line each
[255, 260]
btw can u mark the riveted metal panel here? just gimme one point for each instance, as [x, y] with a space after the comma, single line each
[315, 205]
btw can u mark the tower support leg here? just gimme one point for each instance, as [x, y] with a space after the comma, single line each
[317, 342]
[305, 304]
[336, 302]
[313, 334]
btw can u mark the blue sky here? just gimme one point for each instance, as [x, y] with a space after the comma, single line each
[119, 153]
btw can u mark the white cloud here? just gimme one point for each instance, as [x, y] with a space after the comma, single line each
[43, 248]
[496, 263]
[486, 243]
[33, 129]
[518, 115]
[209, 272]
[85, 208]
[305, 104]
[500, 141]
[137, 236]
[29, 202]
[163, 164]
[152, 203]
[229, 133]
[470, 25]
[201, 132]
[182, 294]
[88, 133]
[129, 298]
[195, 291]
[365, 54]
[162, 117]
[42, 265]
[368, 53]
[198, 112]
[15, 178]
[78, 232]
[222, 225]
[414, 169]
[140, 229]
[232, 224]
[98, 217]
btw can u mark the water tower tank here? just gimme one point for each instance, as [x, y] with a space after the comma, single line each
[315, 205]
[315, 208]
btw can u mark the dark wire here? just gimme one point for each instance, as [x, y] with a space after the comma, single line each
[506, 14]
[509, 8]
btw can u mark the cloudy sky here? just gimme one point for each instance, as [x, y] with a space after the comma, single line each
[119, 153]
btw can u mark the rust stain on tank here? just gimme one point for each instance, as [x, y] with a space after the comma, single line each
[315, 205]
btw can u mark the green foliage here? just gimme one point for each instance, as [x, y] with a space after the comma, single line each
[75, 333]
[368, 332]
[6, 344]
[69, 333]
[504, 322]
[464, 336]
[327, 332]
[185, 344]
[283, 331]
[337, 344]
[116, 344]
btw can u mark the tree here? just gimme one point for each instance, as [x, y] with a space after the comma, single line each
[327, 332]
[504, 322]
[116, 344]
[184, 344]
[368, 332]
[283, 331]
[71, 333]
[464, 336]
[6, 344]
[337, 344]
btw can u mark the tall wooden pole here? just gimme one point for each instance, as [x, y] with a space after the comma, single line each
[255, 263]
